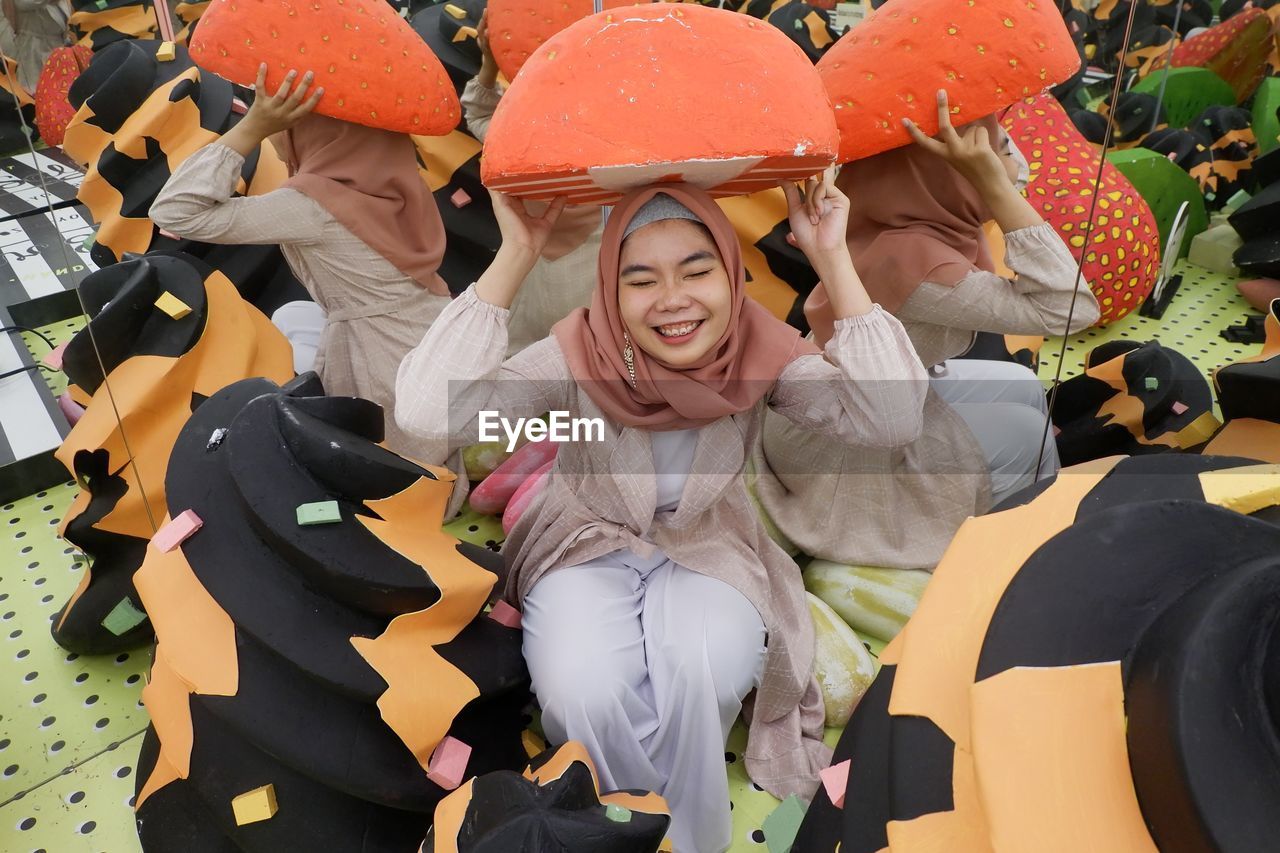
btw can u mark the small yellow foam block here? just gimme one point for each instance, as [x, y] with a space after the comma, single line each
[173, 306]
[256, 805]
[533, 745]
[1244, 490]
[166, 52]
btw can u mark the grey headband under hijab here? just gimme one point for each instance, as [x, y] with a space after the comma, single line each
[657, 209]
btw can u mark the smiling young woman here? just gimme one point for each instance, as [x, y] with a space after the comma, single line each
[653, 601]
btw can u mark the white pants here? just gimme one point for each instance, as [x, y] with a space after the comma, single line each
[303, 324]
[646, 663]
[1005, 406]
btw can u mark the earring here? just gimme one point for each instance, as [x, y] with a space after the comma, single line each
[629, 356]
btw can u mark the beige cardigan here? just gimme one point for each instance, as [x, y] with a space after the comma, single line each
[376, 313]
[602, 496]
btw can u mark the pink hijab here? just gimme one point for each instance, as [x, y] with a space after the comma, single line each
[368, 180]
[730, 378]
[912, 219]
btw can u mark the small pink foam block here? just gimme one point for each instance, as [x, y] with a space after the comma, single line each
[505, 614]
[71, 410]
[834, 779]
[169, 234]
[177, 531]
[238, 106]
[1178, 408]
[449, 763]
[460, 198]
[1057, 430]
[54, 357]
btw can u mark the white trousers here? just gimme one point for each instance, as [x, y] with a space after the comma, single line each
[1005, 406]
[646, 663]
[303, 324]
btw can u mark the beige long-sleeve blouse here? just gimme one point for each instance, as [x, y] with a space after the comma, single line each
[602, 496]
[376, 314]
[942, 320]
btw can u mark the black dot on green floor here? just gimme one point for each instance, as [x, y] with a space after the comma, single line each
[22, 654]
[123, 772]
[21, 534]
[38, 698]
[14, 520]
[87, 827]
[8, 615]
[82, 678]
[133, 679]
[31, 676]
[40, 581]
[10, 770]
[92, 699]
[3, 596]
[121, 658]
[75, 797]
[46, 507]
[34, 565]
[73, 656]
[27, 823]
[48, 721]
[46, 599]
[4, 744]
[57, 746]
[729, 758]
[757, 835]
[103, 723]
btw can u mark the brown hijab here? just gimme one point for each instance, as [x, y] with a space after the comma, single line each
[368, 180]
[912, 219]
[730, 378]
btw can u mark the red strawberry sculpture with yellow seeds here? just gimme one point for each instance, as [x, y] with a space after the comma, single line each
[1236, 50]
[1122, 252]
[375, 69]
[53, 110]
[985, 53]
[519, 27]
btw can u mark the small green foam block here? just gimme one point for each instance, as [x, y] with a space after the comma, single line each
[320, 512]
[1266, 124]
[101, 4]
[780, 828]
[1152, 383]
[617, 813]
[1188, 92]
[124, 617]
[1164, 186]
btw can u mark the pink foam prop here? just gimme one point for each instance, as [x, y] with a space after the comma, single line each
[1178, 408]
[834, 779]
[505, 614]
[524, 496]
[460, 198]
[71, 410]
[54, 357]
[177, 531]
[449, 763]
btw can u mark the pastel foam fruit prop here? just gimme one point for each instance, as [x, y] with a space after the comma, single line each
[1164, 187]
[1213, 249]
[586, 120]
[505, 614]
[875, 602]
[1187, 92]
[497, 490]
[1121, 250]
[177, 531]
[985, 53]
[843, 666]
[1236, 50]
[525, 496]
[320, 512]
[375, 69]
[1266, 124]
[517, 28]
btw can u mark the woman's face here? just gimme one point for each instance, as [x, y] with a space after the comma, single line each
[674, 293]
[1003, 146]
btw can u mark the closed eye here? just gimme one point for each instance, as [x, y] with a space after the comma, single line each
[699, 274]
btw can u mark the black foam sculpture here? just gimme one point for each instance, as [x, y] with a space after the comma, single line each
[305, 714]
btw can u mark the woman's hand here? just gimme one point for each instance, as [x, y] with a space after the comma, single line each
[524, 236]
[271, 114]
[488, 65]
[819, 219]
[969, 153]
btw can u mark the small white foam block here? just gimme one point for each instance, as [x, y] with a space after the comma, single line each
[256, 805]
[54, 358]
[1213, 249]
[449, 763]
[177, 531]
[505, 614]
[834, 779]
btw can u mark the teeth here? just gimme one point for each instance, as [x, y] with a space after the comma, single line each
[676, 330]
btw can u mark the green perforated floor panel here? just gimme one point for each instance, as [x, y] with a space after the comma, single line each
[69, 727]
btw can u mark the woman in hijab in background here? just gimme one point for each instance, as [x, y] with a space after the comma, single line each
[649, 587]
[355, 221]
[916, 237]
